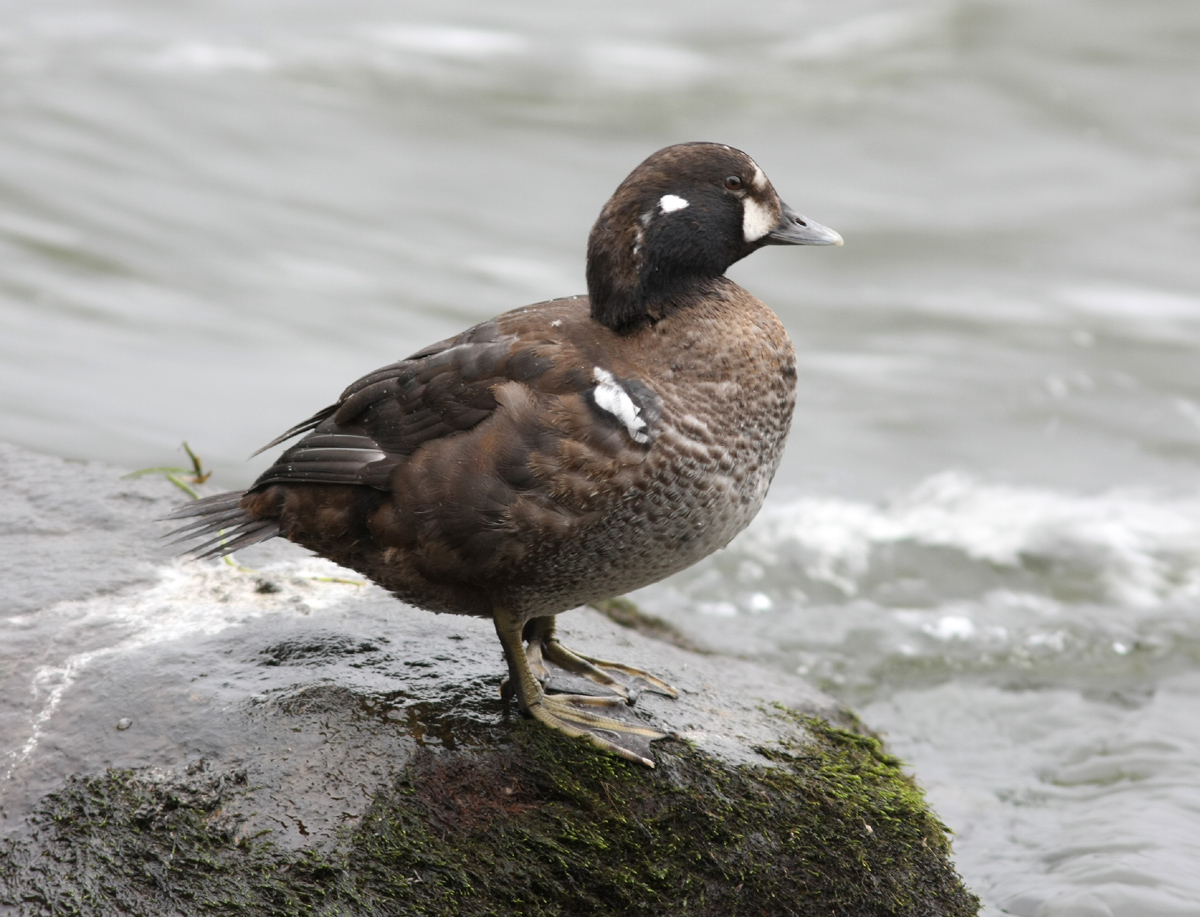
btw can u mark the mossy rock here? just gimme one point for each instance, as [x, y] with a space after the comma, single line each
[536, 824]
[277, 741]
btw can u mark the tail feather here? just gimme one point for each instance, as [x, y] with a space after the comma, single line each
[194, 529]
[223, 526]
[207, 505]
[228, 542]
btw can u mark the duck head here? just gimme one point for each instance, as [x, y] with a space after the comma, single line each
[680, 219]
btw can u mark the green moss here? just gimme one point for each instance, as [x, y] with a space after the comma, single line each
[121, 844]
[534, 824]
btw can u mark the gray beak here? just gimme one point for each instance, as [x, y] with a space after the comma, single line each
[794, 229]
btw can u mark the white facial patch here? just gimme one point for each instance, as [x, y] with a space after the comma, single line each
[671, 202]
[757, 219]
[615, 400]
[759, 181]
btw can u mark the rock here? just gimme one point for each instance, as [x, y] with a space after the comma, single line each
[274, 738]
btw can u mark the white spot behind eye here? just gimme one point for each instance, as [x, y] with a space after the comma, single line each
[671, 202]
[611, 397]
[757, 219]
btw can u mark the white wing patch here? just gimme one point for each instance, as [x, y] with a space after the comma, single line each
[757, 219]
[671, 202]
[615, 400]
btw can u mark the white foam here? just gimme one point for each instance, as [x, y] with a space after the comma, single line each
[718, 609]
[950, 627]
[1132, 548]
[189, 601]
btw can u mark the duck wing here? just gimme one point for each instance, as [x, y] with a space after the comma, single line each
[514, 419]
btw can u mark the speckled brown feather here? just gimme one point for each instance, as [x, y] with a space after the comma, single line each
[541, 504]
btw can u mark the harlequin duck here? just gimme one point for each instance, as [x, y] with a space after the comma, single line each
[564, 452]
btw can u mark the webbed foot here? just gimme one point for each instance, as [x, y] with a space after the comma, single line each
[543, 646]
[623, 680]
[613, 675]
[569, 713]
[602, 720]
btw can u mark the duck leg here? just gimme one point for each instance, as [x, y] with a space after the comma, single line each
[628, 682]
[574, 714]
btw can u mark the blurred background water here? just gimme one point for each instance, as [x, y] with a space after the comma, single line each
[986, 533]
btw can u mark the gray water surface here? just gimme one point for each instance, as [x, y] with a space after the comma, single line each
[986, 533]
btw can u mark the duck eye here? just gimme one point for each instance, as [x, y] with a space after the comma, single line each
[733, 183]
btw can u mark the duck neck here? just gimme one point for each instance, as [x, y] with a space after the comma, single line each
[628, 291]
[625, 308]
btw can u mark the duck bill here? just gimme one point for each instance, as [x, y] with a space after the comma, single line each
[794, 229]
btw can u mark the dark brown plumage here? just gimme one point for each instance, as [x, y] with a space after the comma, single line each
[564, 452]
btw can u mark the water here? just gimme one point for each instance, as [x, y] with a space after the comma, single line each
[985, 533]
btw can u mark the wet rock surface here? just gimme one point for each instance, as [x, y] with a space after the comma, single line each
[272, 737]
